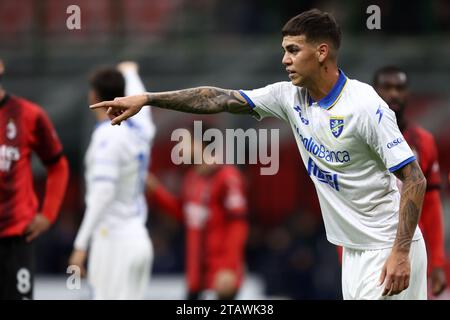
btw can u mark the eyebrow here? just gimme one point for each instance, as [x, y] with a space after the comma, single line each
[291, 46]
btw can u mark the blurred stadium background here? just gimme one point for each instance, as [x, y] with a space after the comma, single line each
[231, 44]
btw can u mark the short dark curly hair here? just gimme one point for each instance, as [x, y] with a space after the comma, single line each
[315, 25]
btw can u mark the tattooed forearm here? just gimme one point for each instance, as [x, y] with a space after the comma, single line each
[201, 100]
[412, 194]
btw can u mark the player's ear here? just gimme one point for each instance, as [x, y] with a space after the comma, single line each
[322, 52]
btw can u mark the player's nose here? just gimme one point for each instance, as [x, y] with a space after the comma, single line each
[286, 60]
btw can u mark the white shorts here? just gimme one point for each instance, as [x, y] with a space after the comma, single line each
[119, 266]
[361, 271]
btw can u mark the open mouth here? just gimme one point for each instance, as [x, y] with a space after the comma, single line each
[291, 73]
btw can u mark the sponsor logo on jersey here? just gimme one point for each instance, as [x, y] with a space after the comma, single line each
[336, 125]
[299, 112]
[11, 130]
[8, 154]
[323, 176]
[394, 143]
[320, 151]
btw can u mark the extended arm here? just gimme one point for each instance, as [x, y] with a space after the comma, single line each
[201, 100]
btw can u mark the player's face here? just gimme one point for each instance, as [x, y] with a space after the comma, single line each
[392, 88]
[300, 59]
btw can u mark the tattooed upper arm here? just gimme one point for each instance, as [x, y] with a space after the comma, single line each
[202, 100]
[236, 103]
[230, 100]
[410, 172]
[239, 105]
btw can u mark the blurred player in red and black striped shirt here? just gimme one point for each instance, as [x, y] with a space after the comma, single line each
[24, 129]
[391, 83]
[213, 208]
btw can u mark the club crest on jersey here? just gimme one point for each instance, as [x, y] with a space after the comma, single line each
[11, 130]
[336, 126]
